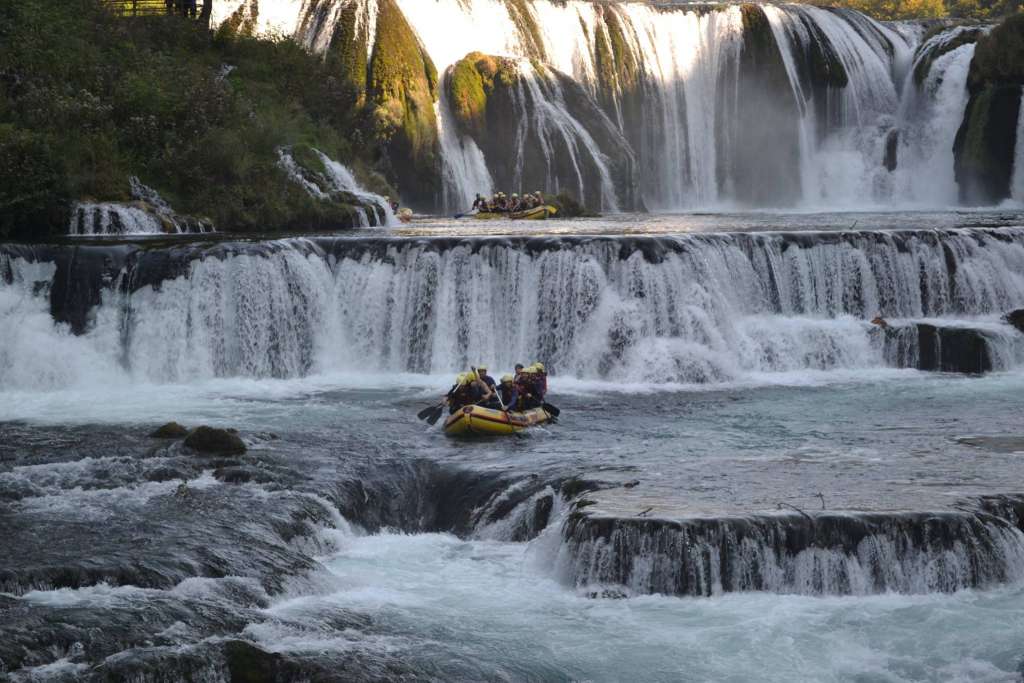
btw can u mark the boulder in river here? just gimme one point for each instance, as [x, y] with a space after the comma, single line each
[246, 662]
[171, 430]
[214, 440]
[1016, 318]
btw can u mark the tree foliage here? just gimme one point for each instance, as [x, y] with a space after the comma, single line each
[88, 99]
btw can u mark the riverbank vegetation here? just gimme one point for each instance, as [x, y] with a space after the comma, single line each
[929, 9]
[88, 99]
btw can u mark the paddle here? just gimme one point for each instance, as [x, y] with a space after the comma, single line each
[436, 415]
[551, 409]
[432, 413]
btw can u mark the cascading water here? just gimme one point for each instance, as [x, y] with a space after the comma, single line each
[148, 215]
[932, 108]
[695, 309]
[337, 178]
[1017, 186]
[841, 122]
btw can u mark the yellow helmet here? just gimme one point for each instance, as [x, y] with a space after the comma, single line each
[539, 367]
[481, 368]
[465, 378]
[505, 379]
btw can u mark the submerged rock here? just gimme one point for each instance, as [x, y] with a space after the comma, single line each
[171, 430]
[214, 440]
[1015, 318]
[250, 664]
[944, 349]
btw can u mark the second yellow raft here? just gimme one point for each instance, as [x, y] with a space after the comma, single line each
[471, 420]
[537, 213]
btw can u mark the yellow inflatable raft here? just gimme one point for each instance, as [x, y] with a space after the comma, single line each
[471, 420]
[538, 213]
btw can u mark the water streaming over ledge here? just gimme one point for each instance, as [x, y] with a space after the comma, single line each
[693, 309]
[712, 106]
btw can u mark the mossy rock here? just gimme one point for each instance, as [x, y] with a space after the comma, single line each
[924, 65]
[471, 82]
[569, 207]
[618, 72]
[999, 56]
[171, 430]
[983, 151]
[519, 11]
[214, 440]
[403, 85]
[488, 96]
[306, 157]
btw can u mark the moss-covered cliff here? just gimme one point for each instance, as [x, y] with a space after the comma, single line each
[999, 56]
[402, 86]
[984, 148]
[502, 104]
[88, 100]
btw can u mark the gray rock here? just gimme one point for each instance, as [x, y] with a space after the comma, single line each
[171, 430]
[213, 440]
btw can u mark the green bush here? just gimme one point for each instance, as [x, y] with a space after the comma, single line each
[88, 99]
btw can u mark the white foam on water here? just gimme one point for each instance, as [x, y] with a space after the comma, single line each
[493, 608]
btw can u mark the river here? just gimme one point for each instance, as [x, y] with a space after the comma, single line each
[748, 479]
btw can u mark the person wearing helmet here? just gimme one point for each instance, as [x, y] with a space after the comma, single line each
[481, 374]
[479, 204]
[485, 387]
[526, 388]
[540, 374]
[515, 205]
[462, 393]
[508, 391]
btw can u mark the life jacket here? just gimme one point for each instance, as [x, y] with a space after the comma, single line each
[463, 395]
[509, 394]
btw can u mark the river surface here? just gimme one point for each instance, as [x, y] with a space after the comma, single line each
[353, 542]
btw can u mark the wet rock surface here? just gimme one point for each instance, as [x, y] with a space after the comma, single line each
[171, 430]
[213, 440]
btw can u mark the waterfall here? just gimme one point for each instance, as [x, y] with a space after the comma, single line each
[694, 309]
[848, 122]
[931, 110]
[334, 179]
[1017, 186]
[465, 169]
[148, 214]
[829, 554]
[111, 218]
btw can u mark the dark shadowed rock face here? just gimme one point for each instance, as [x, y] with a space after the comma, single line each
[984, 147]
[171, 430]
[944, 349]
[1016, 318]
[213, 440]
[249, 664]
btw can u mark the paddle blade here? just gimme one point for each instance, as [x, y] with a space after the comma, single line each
[436, 415]
[555, 412]
[425, 413]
